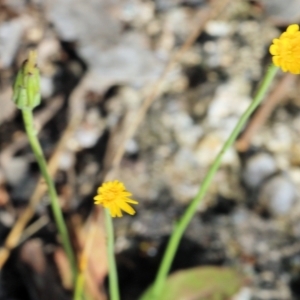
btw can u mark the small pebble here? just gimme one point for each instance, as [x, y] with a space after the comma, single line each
[258, 168]
[10, 39]
[244, 294]
[7, 219]
[279, 195]
[66, 160]
[47, 86]
[15, 170]
[218, 28]
[132, 147]
[283, 13]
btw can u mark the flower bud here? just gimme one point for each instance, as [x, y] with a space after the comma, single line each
[26, 92]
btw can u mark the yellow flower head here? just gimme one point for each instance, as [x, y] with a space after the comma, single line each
[113, 195]
[286, 50]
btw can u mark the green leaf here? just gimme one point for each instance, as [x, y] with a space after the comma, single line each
[201, 283]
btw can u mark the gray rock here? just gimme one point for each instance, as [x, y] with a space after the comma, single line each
[24, 189]
[278, 195]
[10, 37]
[15, 170]
[218, 28]
[244, 294]
[86, 22]
[282, 12]
[47, 86]
[258, 168]
[7, 219]
[112, 57]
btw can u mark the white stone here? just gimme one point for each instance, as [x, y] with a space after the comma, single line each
[218, 28]
[244, 294]
[279, 194]
[46, 86]
[231, 99]
[66, 160]
[258, 168]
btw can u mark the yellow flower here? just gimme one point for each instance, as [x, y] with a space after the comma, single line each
[286, 50]
[113, 195]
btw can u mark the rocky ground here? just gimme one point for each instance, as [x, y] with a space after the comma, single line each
[100, 61]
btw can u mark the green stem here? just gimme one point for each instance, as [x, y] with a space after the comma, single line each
[79, 286]
[59, 220]
[190, 211]
[113, 274]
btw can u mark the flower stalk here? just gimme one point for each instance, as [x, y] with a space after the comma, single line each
[114, 197]
[113, 273]
[27, 96]
[184, 221]
[79, 284]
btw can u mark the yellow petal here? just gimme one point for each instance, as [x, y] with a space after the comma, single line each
[292, 28]
[116, 210]
[276, 61]
[294, 70]
[126, 194]
[126, 207]
[273, 49]
[131, 201]
[114, 196]
[112, 212]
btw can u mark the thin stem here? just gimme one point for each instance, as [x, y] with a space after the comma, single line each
[58, 217]
[113, 274]
[79, 286]
[190, 211]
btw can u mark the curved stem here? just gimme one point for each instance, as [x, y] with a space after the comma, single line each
[190, 211]
[58, 217]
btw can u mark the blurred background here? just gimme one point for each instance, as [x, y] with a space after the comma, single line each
[146, 92]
